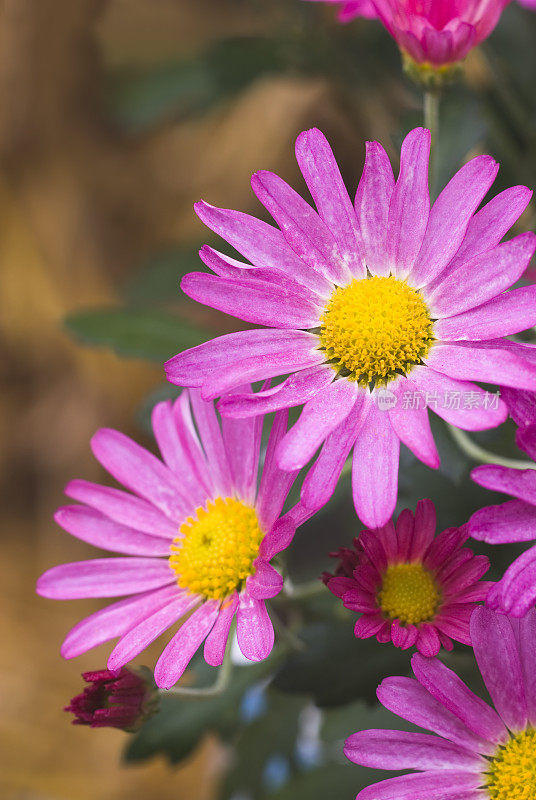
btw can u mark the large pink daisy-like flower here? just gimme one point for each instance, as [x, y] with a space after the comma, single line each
[479, 752]
[410, 586]
[378, 311]
[197, 533]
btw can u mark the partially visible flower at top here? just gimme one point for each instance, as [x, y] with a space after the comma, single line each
[521, 405]
[513, 521]
[409, 587]
[197, 532]
[124, 699]
[528, 4]
[350, 9]
[389, 301]
[479, 752]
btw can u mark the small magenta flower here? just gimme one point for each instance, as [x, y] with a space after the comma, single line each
[411, 587]
[513, 521]
[197, 533]
[478, 752]
[376, 312]
[124, 699]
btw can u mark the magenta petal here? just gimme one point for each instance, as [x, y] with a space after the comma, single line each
[279, 536]
[411, 701]
[254, 628]
[498, 659]
[113, 621]
[180, 650]
[405, 527]
[212, 440]
[262, 244]
[449, 217]
[375, 469]
[391, 749]
[515, 594]
[216, 641]
[293, 391]
[368, 625]
[304, 230]
[516, 482]
[425, 527]
[275, 483]
[95, 528]
[412, 426]
[483, 278]
[509, 313]
[265, 582]
[372, 206]
[514, 521]
[318, 419]
[258, 302]
[320, 481]
[410, 203]
[263, 352]
[140, 636]
[325, 183]
[451, 691]
[140, 471]
[526, 638]
[431, 785]
[104, 577]
[479, 363]
[125, 508]
[439, 389]
[428, 640]
[242, 441]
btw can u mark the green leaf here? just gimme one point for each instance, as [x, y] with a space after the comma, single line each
[181, 723]
[135, 333]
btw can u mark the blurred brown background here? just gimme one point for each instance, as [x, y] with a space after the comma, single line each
[82, 202]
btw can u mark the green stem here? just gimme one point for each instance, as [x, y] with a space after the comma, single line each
[303, 590]
[220, 684]
[478, 453]
[431, 121]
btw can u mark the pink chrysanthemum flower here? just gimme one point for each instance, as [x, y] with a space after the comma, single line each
[522, 408]
[197, 532]
[352, 8]
[513, 521]
[123, 699]
[411, 588]
[479, 753]
[377, 312]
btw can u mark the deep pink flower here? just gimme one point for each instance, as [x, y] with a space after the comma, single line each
[411, 588]
[521, 406]
[350, 9]
[124, 699]
[197, 532]
[478, 752]
[513, 521]
[375, 312]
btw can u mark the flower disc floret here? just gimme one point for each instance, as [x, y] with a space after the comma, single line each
[512, 773]
[215, 551]
[375, 329]
[409, 593]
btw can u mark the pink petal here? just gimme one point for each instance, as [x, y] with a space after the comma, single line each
[143, 633]
[428, 785]
[304, 230]
[372, 206]
[254, 629]
[511, 312]
[425, 528]
[526, 638]
[410, 203]
[114, 620]
[479, 363]
[412, 425]
[320, 416]
[140, 471]
[405, 527]
[514, 521]
[104, 577]
[122, 507]
[275, 482]
[498, 660]
[262, 244]
[368, 625]
[389, 749]
[216, 641]
[375, 469]
[520, 483]
[212, 441]
[242, 441]
[181, 649]
[428, 641]
[449, 217]
[266, 582]
[331, 198]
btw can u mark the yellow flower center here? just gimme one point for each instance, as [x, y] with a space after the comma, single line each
[374, 329]
[409, 593]
[512, 773]
[217, 548]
